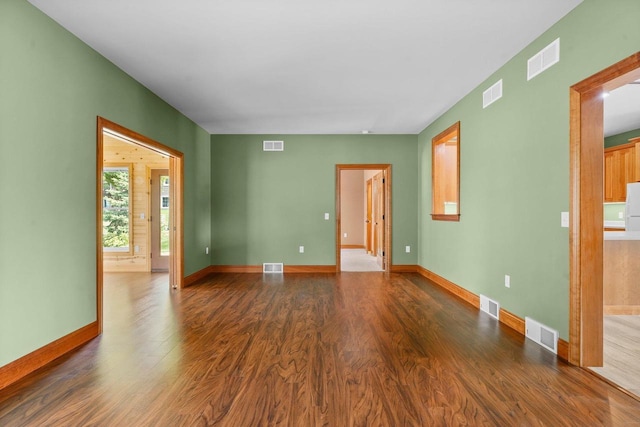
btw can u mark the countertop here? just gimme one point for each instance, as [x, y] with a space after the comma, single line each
[614, 224]
[622, 235]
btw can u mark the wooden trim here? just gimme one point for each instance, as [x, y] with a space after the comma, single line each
[236, 269]
[435, 141]
[563, 349]
[176, 171]
[506, 317]
[511, 320]
[352, 247]
[407, 268]
[586, 215]
[622, 146]
[198, 275]
[22, 367]
[445, 217]
[456, 290]
[310, 269]
[386, 168]
[99, 251]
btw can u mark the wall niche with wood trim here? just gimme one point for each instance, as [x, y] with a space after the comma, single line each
[445, 174]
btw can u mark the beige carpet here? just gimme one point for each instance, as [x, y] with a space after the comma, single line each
[357, 260]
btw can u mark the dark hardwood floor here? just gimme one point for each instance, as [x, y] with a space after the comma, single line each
[353, 349]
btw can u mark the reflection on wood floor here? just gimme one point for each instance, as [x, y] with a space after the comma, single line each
[356, 349]
[622, 352]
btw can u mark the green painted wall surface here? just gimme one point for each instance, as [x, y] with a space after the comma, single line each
[612, 211]
[52, 88]
[266, 204]
[621, 138]
[515, 170]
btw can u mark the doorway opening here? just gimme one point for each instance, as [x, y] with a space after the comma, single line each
[586, 212]
[363, 217]
[129, 233]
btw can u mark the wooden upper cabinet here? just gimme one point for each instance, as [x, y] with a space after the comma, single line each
[621, 166]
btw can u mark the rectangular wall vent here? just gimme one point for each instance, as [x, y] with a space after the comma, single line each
[489, 306]
[272, 267]
[272, 145]
[544, 59]
[492, 94]
[543, 335]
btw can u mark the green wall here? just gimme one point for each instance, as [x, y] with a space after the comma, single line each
[621, 138]
[52, 88]
[612, 211]
[266, 204]
[515, 170]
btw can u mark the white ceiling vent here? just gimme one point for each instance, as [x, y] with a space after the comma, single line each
[272, 267]
[489, 306]
[272, 145]
[543, 335]
[492, 94]
[543, 59]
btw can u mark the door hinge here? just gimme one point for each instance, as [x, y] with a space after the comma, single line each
[382, 253]
[151, 255]
[383, 180]
[383, 217]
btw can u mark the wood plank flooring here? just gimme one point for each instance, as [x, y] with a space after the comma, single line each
[352, 349]
[622, 352]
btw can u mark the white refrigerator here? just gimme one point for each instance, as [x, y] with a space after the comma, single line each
[632, 209]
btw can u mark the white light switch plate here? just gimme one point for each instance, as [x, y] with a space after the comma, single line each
[326, 216]
[564, 219]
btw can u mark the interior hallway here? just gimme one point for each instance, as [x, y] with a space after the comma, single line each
[306, 349]
[358, 260]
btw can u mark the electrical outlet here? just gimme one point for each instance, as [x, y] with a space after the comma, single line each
[620, 215]
[407, 249]
[301, 249]
[507, 281]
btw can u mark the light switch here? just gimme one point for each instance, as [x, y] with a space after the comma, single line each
[564, 219]
[407, 249]
[142, 215]
[301, 249]
[326, 216]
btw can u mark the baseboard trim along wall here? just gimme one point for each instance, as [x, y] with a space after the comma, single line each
[507, 318]
[25, 365]
[198, 275]
[258, 269]
[351, 246]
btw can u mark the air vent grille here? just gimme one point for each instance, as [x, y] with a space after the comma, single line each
[541, 334]
[272, 267]
[272, 145]
[492, 94]
[489, 306]
[544, 59]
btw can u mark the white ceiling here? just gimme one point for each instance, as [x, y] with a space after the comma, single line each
[622, 109]
[309, 66]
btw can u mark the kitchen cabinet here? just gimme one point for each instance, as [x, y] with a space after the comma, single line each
[621, 290]
[621, 166]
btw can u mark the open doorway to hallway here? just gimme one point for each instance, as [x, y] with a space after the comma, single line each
[363, 217]
[139, 208]
[592, 252]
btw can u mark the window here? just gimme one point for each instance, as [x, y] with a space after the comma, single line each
[116, 215]
[165, 201]
[445, 175]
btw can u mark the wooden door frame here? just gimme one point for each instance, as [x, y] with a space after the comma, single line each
[176, 174]
[386, 168]
[586, 236]
[152, 212]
